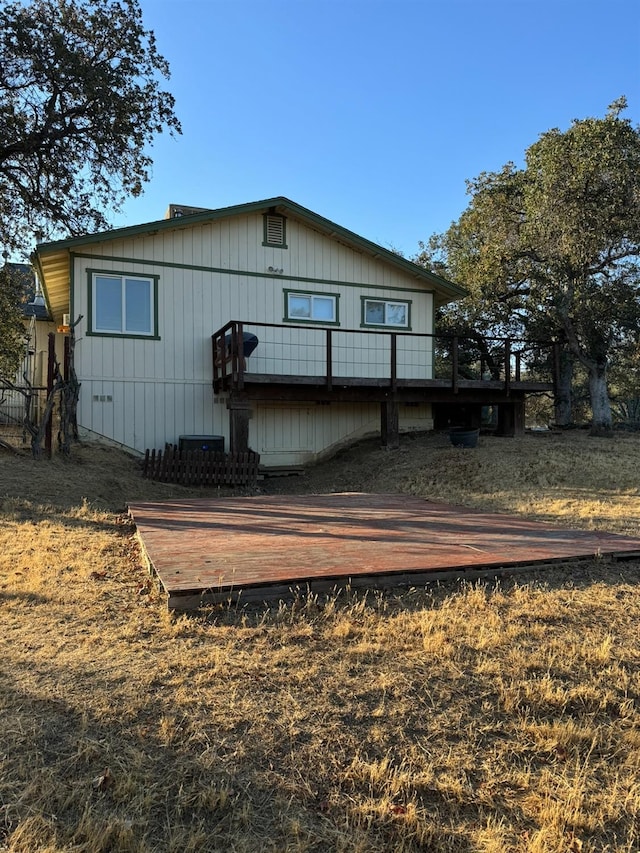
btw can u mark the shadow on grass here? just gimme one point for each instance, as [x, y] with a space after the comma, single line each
[79, 516]
[71, 778]
[27, 597]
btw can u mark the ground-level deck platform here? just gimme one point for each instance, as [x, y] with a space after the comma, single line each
[259, 548]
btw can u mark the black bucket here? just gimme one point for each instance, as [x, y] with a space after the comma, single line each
[461, 437]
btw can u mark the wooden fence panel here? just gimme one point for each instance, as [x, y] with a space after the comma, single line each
[200, 468]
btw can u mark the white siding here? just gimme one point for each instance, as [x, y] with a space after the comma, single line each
[141, 414]
[211, 274]
[290, 434]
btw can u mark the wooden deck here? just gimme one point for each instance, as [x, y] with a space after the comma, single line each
[259, 548]
[399, 354]
[345, 388]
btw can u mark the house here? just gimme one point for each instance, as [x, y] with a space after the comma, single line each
[33, 367]
[38, 326]
[341, 332]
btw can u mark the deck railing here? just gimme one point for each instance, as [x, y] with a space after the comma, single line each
[372, 356]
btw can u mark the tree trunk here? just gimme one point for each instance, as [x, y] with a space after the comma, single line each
[562, 397]
[601, 423]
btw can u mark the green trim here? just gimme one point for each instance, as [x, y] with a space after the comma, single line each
[123, 335]
[265, 230]
[282, 205]
[249, 274]
[156, 308]
[288, 319]
[299, 321]
[123, 274]
[365, 325]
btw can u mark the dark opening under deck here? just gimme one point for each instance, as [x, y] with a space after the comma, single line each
[209, 550]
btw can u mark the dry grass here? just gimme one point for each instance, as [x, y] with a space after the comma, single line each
[481, 718]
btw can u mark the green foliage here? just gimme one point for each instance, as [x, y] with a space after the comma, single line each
[80, 102]
[12, 331]
[552, 251]
[627, 413]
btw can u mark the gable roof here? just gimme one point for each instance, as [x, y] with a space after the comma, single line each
[52, 259]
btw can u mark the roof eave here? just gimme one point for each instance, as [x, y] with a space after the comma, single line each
[56, 281]
[446, 291]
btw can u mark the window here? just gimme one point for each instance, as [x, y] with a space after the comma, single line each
[302, 307]
[379, 312]
[123, 304]
[275, 230]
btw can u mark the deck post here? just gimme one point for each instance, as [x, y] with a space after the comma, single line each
[389, 424]
[556, 355]
[454, 364]
[51, 378]
[394, 362]
[239, 417]
[511, 418]
[238, 356]
[507, 366]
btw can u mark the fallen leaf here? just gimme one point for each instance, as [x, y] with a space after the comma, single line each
[104, 781]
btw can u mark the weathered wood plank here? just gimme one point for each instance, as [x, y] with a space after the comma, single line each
[260, 547]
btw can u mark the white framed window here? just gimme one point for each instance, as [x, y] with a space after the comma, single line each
[384, 312]
[123, 304]
[304, 307]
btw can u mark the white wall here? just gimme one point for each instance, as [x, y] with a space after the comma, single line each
[143, 393]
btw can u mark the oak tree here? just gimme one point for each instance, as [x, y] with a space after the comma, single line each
[12, 330]
[554, 247]
[80, 103]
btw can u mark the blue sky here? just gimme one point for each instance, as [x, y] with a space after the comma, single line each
[374, 113]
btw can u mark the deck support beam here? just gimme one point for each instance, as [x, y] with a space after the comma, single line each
[239, 417]
[511, 418]
[390, 424]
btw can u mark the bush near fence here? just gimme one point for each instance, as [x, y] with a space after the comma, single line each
[200, 468]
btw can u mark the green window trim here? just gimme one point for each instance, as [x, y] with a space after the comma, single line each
[92, 274]
[274, 230]
[288, 318]
[406, 327]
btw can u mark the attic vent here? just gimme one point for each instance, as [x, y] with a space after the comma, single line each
[274, 230]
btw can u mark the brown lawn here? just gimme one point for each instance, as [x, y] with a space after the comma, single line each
[484, 717]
